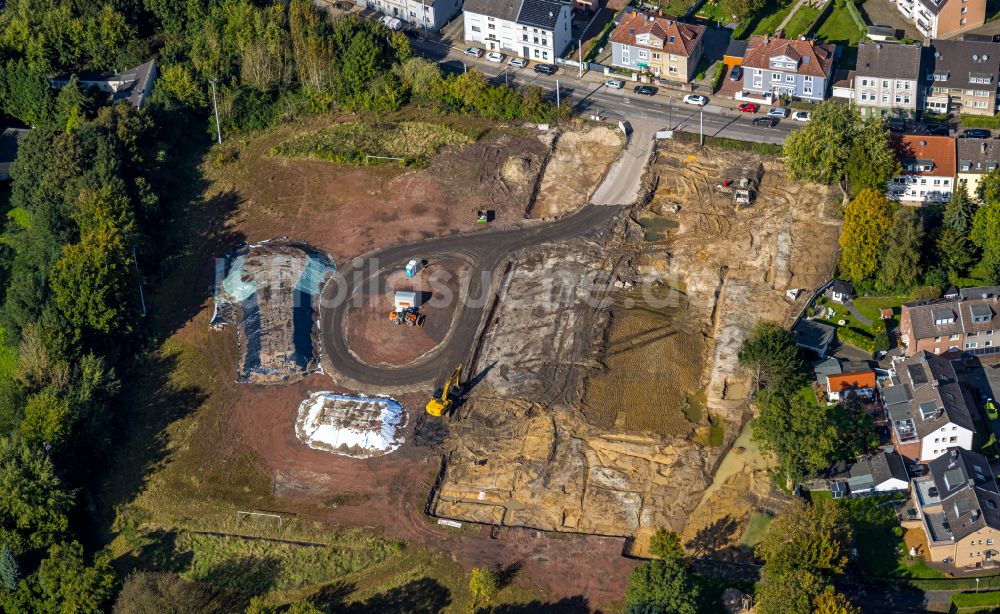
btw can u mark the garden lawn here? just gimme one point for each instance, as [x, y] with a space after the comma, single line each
[869, 306]
[767, 19]
[759, 523]
[713, 12]
[838, 27]
[800, 21]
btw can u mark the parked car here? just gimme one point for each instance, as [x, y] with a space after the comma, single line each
[615, 84]
[518, 62]
[474, 52]
[736, 73]
[645, 90]
[696, 99]
[991, 410]
[779, 112]
[494, 56]
[770, 122]
[392, 23]
[977, 133]
[937, 129]
[801, 116]
[749, 107]
[896, 127]
[545, 69]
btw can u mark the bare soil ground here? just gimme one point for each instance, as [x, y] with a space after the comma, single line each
[575, 170]
[376, 341]
[214, 447]
[350, 210]
[653, 370]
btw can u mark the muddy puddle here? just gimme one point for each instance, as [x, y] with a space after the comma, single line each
[655, 356]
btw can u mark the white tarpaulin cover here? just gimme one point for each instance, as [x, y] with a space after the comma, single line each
[355, 426]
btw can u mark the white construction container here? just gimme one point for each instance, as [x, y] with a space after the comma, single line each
[405, 300]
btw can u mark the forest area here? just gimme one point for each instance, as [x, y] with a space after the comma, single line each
[97, 195]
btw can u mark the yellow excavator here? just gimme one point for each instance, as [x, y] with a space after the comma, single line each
[442, 402]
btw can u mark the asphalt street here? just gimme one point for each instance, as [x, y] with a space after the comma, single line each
[483, 251]
[665, 109]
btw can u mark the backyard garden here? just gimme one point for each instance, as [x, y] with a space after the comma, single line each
[863, 329]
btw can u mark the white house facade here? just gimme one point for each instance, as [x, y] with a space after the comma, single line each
[538, 30]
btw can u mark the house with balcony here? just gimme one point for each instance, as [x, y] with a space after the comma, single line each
[928, 169]
[961, 76]
[943, 18]
[957, 505]
[429, 14]
[858, 384]
[927, 408]
[775, 67]
[976, 157]
[967, 322]
[537, 30]
[887, 79]
[663, 46]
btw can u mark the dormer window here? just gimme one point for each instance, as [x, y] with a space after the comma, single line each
[672, 38]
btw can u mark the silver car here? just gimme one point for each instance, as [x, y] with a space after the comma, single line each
[474, 52]
[615, 84]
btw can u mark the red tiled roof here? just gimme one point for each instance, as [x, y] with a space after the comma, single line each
[814, 58]
[939, 149]
[842, 382]
[685, 35]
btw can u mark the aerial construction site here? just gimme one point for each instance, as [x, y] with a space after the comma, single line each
[534, 355]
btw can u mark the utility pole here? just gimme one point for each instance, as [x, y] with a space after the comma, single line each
[142, 297]
[557, 93]
[579, 47]
[701, 127]
[215, 103]
[505, 80]
[465, 68]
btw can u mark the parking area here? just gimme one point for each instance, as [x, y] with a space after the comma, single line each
[982, 377]
[885, 13]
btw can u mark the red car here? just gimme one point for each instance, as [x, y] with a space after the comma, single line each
[749, 107]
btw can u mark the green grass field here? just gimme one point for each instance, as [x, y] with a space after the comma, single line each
[713, 12]
[800, 21]
[368, 143]
[768, 19]
[839, 28]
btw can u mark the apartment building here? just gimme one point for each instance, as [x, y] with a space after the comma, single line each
[926, 407]
[429, 14]
[928, 169]
[960, 76]
[957, 505]
[943, 18]
[887, 79]
[774, 67]
[660, 45]
[969, 322]
[537, 30]
[976, 157]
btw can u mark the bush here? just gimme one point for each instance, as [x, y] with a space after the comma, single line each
[720, 70]
[990, 599]
[857, 337]
[975, 121]
[718, 141]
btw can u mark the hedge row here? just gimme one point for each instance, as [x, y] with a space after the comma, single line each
[718, 141]
[974, 121]
[856, 337]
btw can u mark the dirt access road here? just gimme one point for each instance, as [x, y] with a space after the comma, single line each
[484, 252]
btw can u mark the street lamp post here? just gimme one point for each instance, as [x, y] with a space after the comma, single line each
[579, 48]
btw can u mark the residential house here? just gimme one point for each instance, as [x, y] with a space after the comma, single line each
[960, 76]
[429, 14]
[976, 157]
[881, 473]
[661, 45]
[887, 79]
[840, 291]
[814, 336]
[774, 67]
[858, 384]
[943, 18]
[9, 140]
[928, 169]
[927, 408]
[957, 505]
[134, 85]
[969, 323]
[538, 30]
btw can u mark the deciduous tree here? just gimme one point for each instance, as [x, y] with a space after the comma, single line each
[33, 502]
[65, 582]
[832, 602]
[799, 433]
[867, 224]
[664, 584]
[986, 235]
[899, 268]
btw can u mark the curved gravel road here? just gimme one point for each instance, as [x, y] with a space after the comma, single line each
[484, 251]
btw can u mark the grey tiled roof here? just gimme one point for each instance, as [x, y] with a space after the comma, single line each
[539, 13]
[930, 381]
[968, 490]
[888, 60]
[961, 60]
[977, 156]
[501, 9]
[924, 316]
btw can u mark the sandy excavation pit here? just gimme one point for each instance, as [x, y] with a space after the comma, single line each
[359, 427]
[564, 432]
[270, 291]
